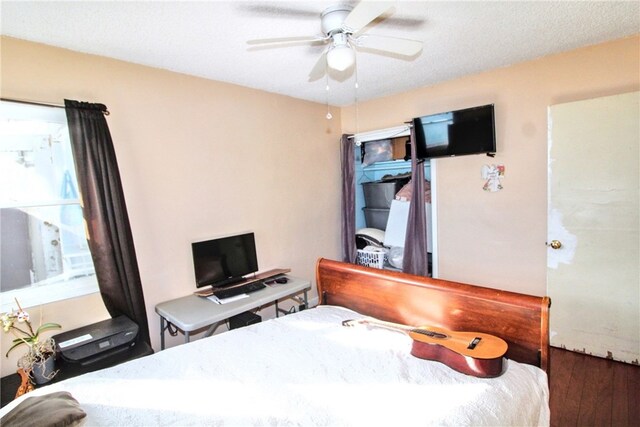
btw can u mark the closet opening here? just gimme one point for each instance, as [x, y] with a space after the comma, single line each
[383, 192]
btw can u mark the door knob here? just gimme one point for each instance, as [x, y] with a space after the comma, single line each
[555, 244]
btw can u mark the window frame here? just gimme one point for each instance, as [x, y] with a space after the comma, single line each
[45, 292]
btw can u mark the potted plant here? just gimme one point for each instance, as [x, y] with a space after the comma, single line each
[39, 359]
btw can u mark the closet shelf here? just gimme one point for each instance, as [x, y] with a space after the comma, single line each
[390, 165]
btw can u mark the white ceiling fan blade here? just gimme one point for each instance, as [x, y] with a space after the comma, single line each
[405, 47]
[319, 70]
[270, 9]
[287, 40]
[365, 12]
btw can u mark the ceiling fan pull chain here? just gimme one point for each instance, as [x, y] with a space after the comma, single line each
[329, 116]
[356, 92]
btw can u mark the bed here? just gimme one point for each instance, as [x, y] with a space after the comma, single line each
[308, 369]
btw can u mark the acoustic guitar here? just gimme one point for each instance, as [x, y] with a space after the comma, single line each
[472, 353]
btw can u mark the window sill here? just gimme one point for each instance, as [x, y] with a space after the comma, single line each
[47, 293]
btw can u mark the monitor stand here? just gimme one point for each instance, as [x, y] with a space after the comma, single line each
[260, 276]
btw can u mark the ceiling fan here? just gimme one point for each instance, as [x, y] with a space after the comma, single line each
[343, 30]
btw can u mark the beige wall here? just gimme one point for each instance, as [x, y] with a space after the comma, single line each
[198, 159]
[498, 239]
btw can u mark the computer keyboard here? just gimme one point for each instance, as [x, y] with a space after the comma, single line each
[238, 290]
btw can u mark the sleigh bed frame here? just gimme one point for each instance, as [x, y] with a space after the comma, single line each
[521, 320]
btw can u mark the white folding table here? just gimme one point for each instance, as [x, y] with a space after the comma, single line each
[193, 312]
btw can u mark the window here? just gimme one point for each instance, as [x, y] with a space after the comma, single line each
[44, 256]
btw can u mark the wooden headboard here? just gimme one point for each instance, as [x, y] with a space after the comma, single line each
[521, 320]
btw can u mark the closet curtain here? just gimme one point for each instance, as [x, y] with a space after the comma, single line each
[348, 223]
[105, 214]
[415, 259]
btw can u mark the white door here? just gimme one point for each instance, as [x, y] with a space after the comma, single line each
[593, 273]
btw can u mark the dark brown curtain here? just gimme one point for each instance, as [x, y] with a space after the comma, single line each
[105, 213]
[348, 210]
[415, 244]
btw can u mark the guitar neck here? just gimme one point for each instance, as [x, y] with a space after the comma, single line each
[388, 325]
[403, 328]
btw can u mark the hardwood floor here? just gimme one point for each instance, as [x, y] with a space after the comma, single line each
[591, 391]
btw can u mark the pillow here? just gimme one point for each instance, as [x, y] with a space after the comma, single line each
[54, 409]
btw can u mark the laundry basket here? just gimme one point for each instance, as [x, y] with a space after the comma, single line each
[371, 257]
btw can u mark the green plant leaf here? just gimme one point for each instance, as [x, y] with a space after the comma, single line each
[46, 327]
[14, 346]
[26, 340]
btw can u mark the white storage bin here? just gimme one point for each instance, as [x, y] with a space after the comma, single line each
[371, 258]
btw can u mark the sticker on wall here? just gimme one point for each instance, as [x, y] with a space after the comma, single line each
[492, 174]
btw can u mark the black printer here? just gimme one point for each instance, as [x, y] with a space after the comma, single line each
[98, 342]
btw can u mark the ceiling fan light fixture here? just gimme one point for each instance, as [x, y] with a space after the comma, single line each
[340, 58]
[342, 27]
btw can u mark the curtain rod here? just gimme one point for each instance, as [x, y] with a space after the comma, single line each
[380, 134]
[408, 126]
[41, 104]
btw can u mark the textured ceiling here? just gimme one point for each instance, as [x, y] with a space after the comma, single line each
[208, 38]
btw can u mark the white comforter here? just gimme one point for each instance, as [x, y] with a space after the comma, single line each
[304, 369]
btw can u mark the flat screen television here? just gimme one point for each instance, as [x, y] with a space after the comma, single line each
[456, 133]
[224, 261]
